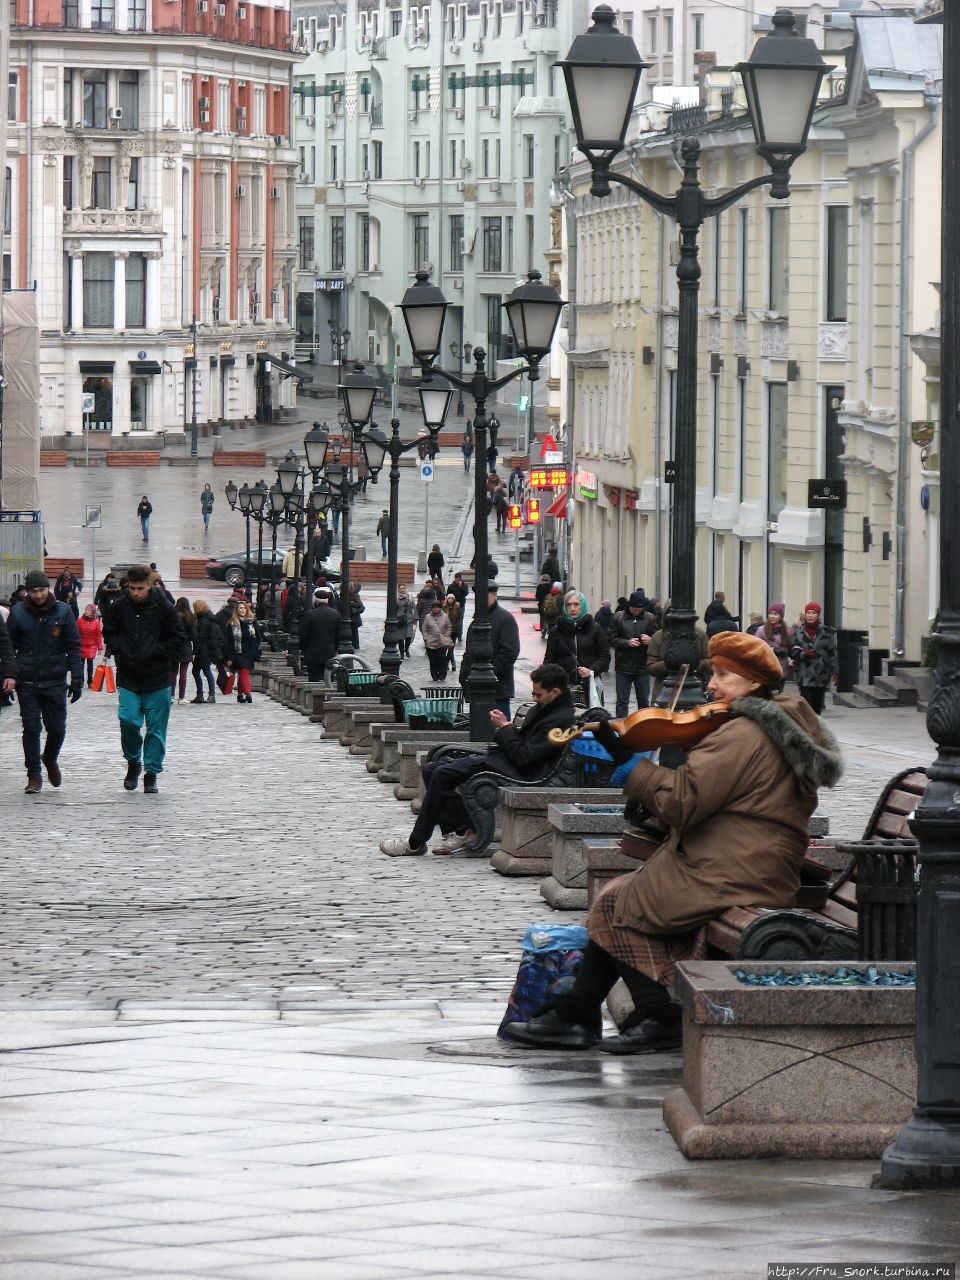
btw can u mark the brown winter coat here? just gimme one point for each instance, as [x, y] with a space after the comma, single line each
[436, 631]
[737, 813]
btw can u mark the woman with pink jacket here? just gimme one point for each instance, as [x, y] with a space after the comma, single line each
[91, 638]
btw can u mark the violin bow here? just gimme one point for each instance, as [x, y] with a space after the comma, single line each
[683, 672]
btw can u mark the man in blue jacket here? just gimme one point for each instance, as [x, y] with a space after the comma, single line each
[46, 643]
[144, 633]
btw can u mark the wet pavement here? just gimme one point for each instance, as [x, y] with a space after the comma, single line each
[238, 1042]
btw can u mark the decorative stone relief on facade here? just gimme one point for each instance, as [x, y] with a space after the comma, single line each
[775, 340]
[713, 333]
[832, 342]
[671, 331]
[739, 337]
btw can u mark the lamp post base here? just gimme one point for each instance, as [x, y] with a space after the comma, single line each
[924, 1157]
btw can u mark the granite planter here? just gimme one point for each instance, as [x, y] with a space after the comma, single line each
[526, 836]
[571, 824]
[811, 1072]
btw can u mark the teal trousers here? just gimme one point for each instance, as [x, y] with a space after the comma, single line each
[152, 710]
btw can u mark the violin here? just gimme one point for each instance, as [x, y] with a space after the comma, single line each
[654, 727]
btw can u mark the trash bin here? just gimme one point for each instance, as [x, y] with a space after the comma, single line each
[851, 658]
[886, 898]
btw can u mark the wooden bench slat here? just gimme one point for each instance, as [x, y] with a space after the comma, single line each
[740, 917]
[722, 938]
[890, 826]
[846, 894]
[840, 915]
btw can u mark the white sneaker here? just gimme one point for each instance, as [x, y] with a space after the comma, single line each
[401, 849]
[453, 843]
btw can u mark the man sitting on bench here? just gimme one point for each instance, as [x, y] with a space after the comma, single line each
[523, 752]
[737, 814]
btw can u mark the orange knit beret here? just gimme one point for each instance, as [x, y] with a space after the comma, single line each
[747, 656]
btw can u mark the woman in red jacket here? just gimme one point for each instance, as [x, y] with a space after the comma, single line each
[91, 638]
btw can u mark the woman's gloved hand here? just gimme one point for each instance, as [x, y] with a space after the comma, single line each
[611, 741]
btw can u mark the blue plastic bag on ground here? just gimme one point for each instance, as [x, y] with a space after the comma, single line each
[551, 957]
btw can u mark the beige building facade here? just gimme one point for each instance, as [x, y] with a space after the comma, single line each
[805, 366]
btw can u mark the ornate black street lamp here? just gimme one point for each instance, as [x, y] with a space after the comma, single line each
[926, 1153]
[533, 311]
[782, 81]
[461, 351]
[339, 340]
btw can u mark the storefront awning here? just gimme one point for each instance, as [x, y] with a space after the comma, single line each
[284, 368]
[145, 366]
[97, 367]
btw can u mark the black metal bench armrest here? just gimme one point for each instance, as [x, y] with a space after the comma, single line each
[795, 934]
[448, 751]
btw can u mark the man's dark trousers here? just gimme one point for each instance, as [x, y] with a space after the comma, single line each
[441, 804]
[627, 684]
[46, 706]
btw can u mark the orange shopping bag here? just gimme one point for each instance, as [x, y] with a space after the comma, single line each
[103, 679]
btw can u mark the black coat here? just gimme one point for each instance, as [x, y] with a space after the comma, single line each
[318, 635]
[8, 661]
[631, 660]
[527, 752]
[247, 653]
[145, 639]
[435, 563]
[207, 641]
[505, 644]
[46, 643]
[582, 643]
[460, 592]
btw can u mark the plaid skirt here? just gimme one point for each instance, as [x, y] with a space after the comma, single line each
[654, 954]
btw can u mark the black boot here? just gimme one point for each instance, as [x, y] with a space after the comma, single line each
[133, 773]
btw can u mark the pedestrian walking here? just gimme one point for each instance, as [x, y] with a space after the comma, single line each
[580, 646]
[717, 608]
[357, 608]
[604, 615]
[756, 622]
[504, 646]
[552, 608]
[453, 611]
[46, 646]
[542, 591]
[501, 507]
[467, 450]
[242, 648]
[493, 453]
[107, 593]
[180, 666]
[71, 603]
[630, 636]
[425, 598]
[778, 636]
[383, 531]
[145, 511]
[435, 565]
[66, 583]
[814, 655]
[406, 620]
[551, 564]
[91, 639]
[144, 633]
[460, 591]
[515, 484]
[437, 640]
[207, 649]
[207, 499]
[8, 662]
[318, 634]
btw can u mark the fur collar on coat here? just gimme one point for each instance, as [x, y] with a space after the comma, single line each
[818, 763]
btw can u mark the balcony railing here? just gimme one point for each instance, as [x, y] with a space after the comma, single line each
[79, 221]
[227, 32]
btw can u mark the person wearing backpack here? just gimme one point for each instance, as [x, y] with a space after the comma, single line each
[630, 637]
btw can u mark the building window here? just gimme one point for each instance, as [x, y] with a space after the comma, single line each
[6, 282]
[652, 24]
[378, 159]
[13, 95]
[98, 290]
[102, 15]
[508, 245]
[494, 320]
[70, 13]
[305, 240]
[456, 242]
[776, 448]
[528, 150]
[837, 233]
[365, 159]
[743, 249]
[136, 15]
[492, 244]
[101, 196]
[133, 183]
[396, 21]
[717, 258]
[779, 279]
[95, 99]
[698, 31]
[334, 163]
[668, 33]
[136, 287]
[364, 242]
[139, 391]
[336, 243]
[129, 91]
[485, 158]
[102, 388]
[421, 240]
[416, 160]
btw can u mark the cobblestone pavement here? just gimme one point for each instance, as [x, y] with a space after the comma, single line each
[238, 1042]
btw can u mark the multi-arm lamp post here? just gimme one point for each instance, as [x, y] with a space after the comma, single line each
[782, 82]
[434, 404]
[926, 1153]
[533, 312]
[461, 351]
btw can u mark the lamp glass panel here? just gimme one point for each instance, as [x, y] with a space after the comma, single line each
[782, 102]
[358, 401]
[315, 445]
[278, 499]
[533, 325]
[435, 403]
[287, 475]
[375, 450]
[320, 499]
[425, 327]
[258, 496]
[604, 99]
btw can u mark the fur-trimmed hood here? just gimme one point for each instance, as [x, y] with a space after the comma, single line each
[806, 743]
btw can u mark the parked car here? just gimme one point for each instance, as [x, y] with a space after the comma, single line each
[234, 570]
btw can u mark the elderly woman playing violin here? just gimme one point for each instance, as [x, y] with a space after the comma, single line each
[737, 815]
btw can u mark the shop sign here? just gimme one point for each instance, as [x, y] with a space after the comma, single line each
[330, 284]
[587, 485]
[226, 348]
[630, 499]
[549, 477]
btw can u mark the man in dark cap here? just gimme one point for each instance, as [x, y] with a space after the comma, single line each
[630, 635]
[505, 650]
[46, 643]
[318, 633]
